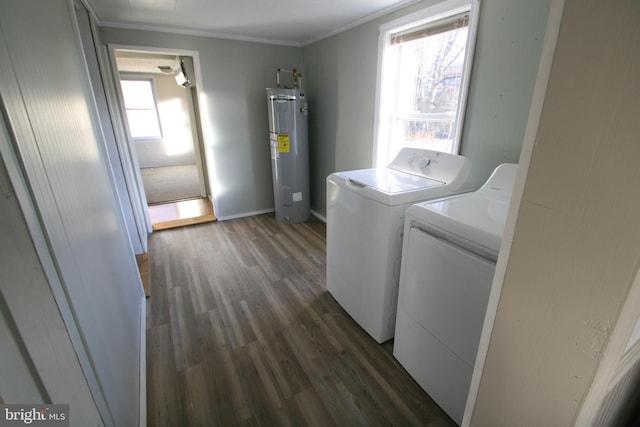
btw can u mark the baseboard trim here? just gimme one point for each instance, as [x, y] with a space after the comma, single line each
[320, 217]
[245, 214]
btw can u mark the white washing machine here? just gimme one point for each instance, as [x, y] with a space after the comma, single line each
[365, 218]
[449, 257]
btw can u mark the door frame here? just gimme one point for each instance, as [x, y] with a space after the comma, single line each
[200, 147]
[134, 217]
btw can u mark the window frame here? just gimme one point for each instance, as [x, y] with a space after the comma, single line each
[152, 85]
[432, 14]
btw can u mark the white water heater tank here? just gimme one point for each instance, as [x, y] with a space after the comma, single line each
[288, 136]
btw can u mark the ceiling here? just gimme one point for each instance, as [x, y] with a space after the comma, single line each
[274, 21]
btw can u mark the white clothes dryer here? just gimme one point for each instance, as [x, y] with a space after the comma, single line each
[365, 217]
[449, 256]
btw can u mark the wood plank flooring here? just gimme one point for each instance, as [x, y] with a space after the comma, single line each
[241, 332]
[145, 274]
[181, 213]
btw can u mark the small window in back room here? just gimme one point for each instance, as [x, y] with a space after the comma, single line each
[142, 113]
[424, 69]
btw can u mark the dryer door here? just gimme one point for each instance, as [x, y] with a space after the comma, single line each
[445, 289]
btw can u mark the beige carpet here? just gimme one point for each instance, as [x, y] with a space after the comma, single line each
[170, 183]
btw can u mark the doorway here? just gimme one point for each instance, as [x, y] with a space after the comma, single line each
[160, 105]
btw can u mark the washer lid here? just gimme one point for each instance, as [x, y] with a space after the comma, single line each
[414, 175]
[389, 186]
[388, 180]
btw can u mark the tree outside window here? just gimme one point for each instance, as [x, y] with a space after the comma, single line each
[423, 83]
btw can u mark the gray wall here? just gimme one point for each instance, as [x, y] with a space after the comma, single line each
[341, 85]
[234, 77]
[340, 80]
[507, 54]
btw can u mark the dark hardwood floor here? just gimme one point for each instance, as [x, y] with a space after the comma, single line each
[241, 331]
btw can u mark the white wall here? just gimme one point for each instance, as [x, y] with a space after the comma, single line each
[234, 76]
[60, 155]
[341, 80]
[175, 109]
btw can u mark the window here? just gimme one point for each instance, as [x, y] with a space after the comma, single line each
[424, 69]
[140, 103]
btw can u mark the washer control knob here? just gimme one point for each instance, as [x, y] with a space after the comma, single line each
[424, 162]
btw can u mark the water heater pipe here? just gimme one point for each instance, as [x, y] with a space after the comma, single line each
[294, 74]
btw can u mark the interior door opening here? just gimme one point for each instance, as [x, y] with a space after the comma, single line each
[160, 104]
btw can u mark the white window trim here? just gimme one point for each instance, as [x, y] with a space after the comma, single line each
[431, 14]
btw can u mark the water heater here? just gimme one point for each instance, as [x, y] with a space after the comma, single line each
[288, 136]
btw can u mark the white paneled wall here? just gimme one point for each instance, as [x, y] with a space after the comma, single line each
[39, 363]
[51, 114]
